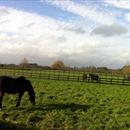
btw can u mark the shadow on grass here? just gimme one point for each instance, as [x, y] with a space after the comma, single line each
[70, 106]
[41, 107]
[10, 126]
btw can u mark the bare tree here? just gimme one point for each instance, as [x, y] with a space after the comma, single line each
[58, 65]
[24, 62]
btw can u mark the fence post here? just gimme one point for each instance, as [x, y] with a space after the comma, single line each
[78, 79]
[123, 82]
[68, 78]
[58, 77]
[111, 81]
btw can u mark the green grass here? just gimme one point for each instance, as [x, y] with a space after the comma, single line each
[69, 106]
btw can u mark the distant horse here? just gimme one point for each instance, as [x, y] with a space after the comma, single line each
[94, 77]
[16, 85]
[85, 76]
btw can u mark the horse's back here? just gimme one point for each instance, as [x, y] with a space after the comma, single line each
[4, 80]
[7, 84]
[94, 76]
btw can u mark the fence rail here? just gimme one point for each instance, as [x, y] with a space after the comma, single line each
[63, 75]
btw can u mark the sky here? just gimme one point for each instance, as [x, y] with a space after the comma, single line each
[78, 32]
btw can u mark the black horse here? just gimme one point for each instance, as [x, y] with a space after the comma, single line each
[85, 77]
[94, 77]
[16, 85]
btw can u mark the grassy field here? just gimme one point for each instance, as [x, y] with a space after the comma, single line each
[64, 105]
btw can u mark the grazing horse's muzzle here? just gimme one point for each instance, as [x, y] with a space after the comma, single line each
[32, 99]
[33, 103]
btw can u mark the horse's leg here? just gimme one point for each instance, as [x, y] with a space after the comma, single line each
[19, 99]
[1, 97]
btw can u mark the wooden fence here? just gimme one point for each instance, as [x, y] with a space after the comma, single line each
[63, 75]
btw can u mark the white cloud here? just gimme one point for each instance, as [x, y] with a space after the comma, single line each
[88, 12]
[30, 34]
[127, 17]
[43, 39]
[119, 3]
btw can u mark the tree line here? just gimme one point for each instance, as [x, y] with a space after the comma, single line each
[60, 65]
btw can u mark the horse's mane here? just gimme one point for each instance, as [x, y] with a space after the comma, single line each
[21, 78]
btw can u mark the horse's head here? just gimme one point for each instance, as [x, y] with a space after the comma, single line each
[30, 92]
[27, 87]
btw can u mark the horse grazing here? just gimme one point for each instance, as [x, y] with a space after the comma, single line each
[94, 77]
[16, 85]
[85, 77]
